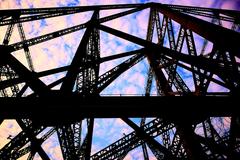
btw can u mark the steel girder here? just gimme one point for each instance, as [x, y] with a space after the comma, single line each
[84, 72]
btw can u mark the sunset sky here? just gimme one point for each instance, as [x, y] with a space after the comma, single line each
[59, 52]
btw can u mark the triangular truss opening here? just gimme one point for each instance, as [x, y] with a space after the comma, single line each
[52, 147]
[111, 44]
[187, 77]
[8, 130]
[21, 57]
[203, 46]
[48, 80]
[116, 128]
[109, 12]
[53, 50]
[126, 23]
[131, 82]
[213, 87]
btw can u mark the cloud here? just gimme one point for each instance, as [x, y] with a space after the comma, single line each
[58, 45]
[8, 128]
[230, 4]
[24, 157]
[58, 52]
[107, 131]
[134, 154]
[213, 87]
[52, 147]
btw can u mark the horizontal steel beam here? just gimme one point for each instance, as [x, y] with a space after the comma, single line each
[49, 36]
[74, 107]
[64, 9]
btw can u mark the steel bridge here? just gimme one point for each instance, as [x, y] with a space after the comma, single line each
[181, 110]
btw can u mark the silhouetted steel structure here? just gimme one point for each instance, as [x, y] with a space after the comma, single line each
[179, 138]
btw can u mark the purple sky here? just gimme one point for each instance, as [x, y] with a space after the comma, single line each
[44, 57]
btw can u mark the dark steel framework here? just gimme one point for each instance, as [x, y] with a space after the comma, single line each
[179, 138]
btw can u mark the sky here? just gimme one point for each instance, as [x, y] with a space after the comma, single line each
[44, 57]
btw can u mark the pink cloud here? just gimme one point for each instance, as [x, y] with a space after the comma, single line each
[51, 147]
[230, 4]
[137, 78]
[42, 61]
[213, 87]
[24, 157]
[8, 4]
[8, 128]
[199, 130]
[141, 19]
[134, 154]
[120, 122]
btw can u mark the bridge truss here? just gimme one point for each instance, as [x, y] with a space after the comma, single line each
[202, 135]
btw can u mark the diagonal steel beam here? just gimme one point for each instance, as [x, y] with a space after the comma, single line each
[151, 22]
[28, 148]
[232, 13]
[64, 9]
[87, 144]
[17, 143]
[149, 140]
[106, 78]
[49, 36]
[36, 84]
[26, 49]
[191, 144]
[120, 148]
[10, 74]
[201, 62]
[35, 17]
[120, 55]
[205, 29]
[66, 140]
[34, 141]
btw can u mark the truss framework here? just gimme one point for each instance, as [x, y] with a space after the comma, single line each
[179, 138]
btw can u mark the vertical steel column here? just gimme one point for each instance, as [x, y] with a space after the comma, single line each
[89, 139]
[173, 76]
[26, 49]
[179, 45]
[66, 140]
[149, 36]
[144, 146]
[78, 60]
[162, 85]
[232, 138]
[9, 73]
[77, 132]
[85, 151]
[87, 79]
[171, 70]
[192, 51]
[176, 147]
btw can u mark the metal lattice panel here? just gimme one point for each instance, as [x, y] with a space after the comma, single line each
[166, 137]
